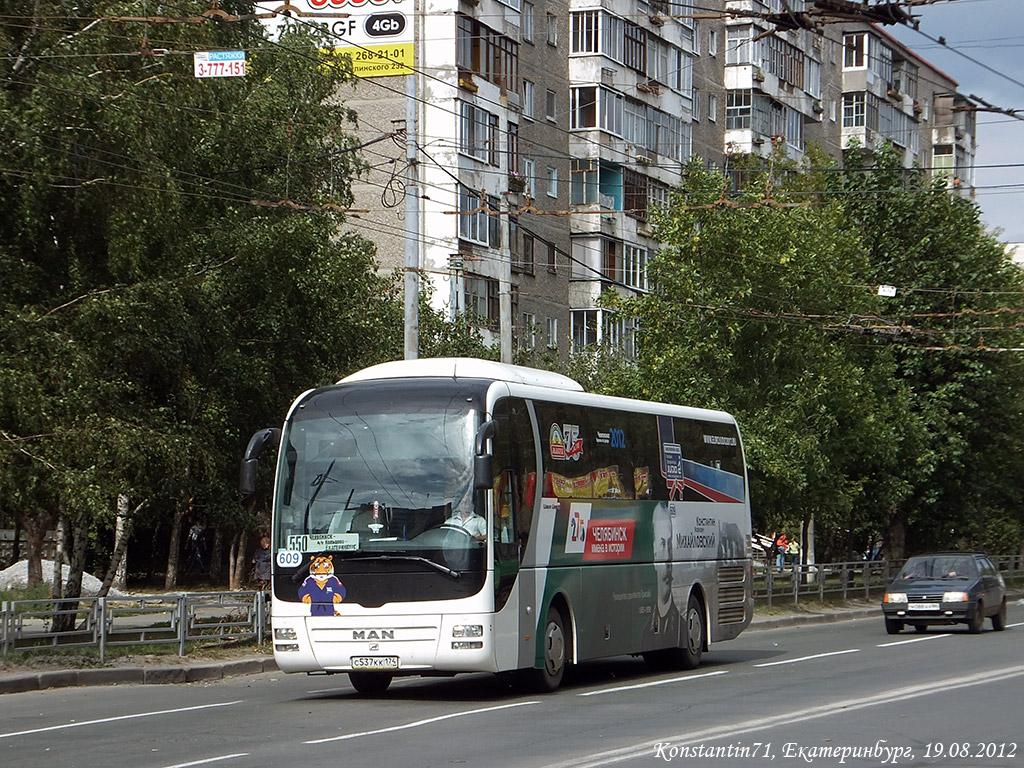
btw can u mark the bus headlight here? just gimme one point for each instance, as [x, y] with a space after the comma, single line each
[467, 645]
[285, 633]
[468, 630]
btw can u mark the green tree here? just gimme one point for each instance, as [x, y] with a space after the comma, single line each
[866, 413]
[173, 266]
[954, 315]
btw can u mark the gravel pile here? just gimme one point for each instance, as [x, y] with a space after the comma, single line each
[17, 577]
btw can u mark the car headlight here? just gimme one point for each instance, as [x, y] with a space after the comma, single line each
[895, 597]
[954, 597]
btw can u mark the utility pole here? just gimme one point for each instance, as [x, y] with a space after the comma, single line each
[412, 225]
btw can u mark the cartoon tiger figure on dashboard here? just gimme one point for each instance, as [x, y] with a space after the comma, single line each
[322, 590]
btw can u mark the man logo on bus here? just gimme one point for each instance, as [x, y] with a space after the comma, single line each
[322, 590]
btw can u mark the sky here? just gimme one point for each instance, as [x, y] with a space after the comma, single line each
[984, 53]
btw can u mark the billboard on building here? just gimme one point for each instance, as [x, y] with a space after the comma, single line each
[377, 35]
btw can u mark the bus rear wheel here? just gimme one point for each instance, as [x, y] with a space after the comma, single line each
[549, 677]
[693, 635]
[370, 683]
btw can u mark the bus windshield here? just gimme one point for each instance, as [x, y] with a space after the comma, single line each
[362, 472]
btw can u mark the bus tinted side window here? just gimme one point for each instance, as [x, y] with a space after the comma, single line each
[515, 469]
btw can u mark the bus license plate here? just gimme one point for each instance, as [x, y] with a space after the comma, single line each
[923, 607]
[374, 662]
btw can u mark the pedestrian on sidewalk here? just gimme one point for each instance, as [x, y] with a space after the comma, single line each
[781, 544]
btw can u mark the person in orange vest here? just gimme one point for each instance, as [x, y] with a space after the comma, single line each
[781, 543]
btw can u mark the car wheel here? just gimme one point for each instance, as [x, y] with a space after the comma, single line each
[893, 627]
[977, 621]
[370, 683]
[999, 617]
[549, 677]
[919, 628]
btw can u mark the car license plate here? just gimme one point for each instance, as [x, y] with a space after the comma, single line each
[374, 662]
[923, 607]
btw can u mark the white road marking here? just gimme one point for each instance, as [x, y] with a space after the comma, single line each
[418, 723]
[208, 760]
[731, 730]
[652, 684]
[119, 718]
[807, 658]
[913, 640]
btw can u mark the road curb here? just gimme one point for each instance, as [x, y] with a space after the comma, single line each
[153, 675]
[812, 618]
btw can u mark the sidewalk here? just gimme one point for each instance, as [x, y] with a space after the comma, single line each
[152, 670]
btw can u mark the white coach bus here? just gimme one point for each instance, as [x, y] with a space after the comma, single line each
[451, 515]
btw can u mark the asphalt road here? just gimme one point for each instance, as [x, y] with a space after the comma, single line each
[825, 695]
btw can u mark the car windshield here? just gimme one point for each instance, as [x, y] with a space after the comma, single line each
[362, 472]
[939, 567]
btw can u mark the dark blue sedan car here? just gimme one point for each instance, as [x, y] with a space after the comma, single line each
[946, 588]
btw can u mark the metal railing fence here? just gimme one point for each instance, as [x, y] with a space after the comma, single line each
[185, 618]
[104, 622]
[844, 581]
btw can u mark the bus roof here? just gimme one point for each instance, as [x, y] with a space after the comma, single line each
[463, 367]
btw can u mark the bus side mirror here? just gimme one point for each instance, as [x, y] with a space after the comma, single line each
[483, 462]
[247, 472]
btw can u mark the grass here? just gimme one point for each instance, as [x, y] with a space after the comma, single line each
[135, 655]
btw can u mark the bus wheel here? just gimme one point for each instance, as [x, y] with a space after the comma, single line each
[549, 677]
[370, 683]
[693, 635]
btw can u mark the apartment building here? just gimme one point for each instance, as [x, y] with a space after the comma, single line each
[547, 132]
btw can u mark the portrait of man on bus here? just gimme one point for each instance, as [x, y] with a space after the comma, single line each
[663, 628]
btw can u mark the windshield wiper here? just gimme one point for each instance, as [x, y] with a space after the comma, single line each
[318, 481]
[412, 558]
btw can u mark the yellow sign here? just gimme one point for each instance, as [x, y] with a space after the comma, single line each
[380, 60]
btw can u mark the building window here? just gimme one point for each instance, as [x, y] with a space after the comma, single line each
[712, 42]
[611, 260]
[855, 50]
[514, 244]
[583, 28]
[529, 335]
[634, 194]
[529, 177]
[634, 271]
[737, 110]
[527, 256]
[552, 266]
[512, 151]
[551, 333]
[478, 133]
[552, 181]
[943, 162]
[482, 300]
[528, 99]
[479, 219]
[583, 182]
[712, 107]
[482, 51]
[739, 45]
[584, 328]
[552, 29]
[551, 105]
[526, 21]
[854, 110]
